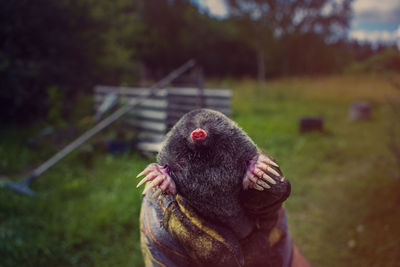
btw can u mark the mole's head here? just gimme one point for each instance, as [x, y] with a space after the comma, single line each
[205, 135]
[203, 129]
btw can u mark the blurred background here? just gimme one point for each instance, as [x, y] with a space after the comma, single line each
[316, 84]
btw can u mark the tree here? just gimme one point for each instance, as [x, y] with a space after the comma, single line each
[266, 22]
[64, 45]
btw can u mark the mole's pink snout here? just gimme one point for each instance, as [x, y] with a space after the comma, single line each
[198, 135]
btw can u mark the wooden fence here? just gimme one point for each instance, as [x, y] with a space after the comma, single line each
[153, 118]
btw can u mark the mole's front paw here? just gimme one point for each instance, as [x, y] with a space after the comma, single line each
[159, 176]
[262, 173]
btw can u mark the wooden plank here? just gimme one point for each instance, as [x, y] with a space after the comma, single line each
[186, 108]
[218, 93]
[190, 91]
[175, 114]
[223, 93]
[218, 102]
[159, 107]
[154, 104]
[121, 98]
[178, 113]
[158, 127]
[224, 110]
[157, 111]
[192, 103]
[100, 97]
[187, 96]
[196, 102]
[180, 108]
[128, 91]
[155, 115]
[150, 136]
[171, 98]
[148, 103]
[149, 147]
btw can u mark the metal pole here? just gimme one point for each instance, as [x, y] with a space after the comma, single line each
[105, 122]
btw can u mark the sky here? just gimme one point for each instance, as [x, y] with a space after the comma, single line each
[374, 21]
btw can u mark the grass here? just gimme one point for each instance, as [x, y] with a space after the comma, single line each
[86, 213]
[343, 209]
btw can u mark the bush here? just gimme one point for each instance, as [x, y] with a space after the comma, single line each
[387, 60]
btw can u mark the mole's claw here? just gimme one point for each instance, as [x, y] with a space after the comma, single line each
[262, 166]
[154, 183]
[273, 171]
[150, 168]
[164, 185]
[146, 189]
[261, 172]
[268, 161]
[258, 172]
[142, 173]
[147, 170]
[255, 180]
[157, 175]
[252, 177]
[257, 187]
[142, 182]
[268, 178]
[149, 177]
[157, 193]
[157, 181]
[263, 184]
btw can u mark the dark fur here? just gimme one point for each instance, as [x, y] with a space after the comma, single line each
[209, 175]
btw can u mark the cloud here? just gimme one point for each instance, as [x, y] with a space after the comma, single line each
[215, 7]
[374, 21]
[377, 36]
[372, 11]
[383, 11]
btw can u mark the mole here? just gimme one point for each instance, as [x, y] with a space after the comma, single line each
[209, 160]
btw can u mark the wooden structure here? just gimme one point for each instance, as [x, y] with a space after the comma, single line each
[360, 110]
[153, 118]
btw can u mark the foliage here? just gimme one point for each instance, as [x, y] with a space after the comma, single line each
[55, 102]
[294, 26]
[68, 44]
[176, 31]
[41, 48]
[384, 61]
[74, 45]
[343, 207]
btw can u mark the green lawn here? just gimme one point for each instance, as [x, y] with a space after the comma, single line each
[343, 210]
